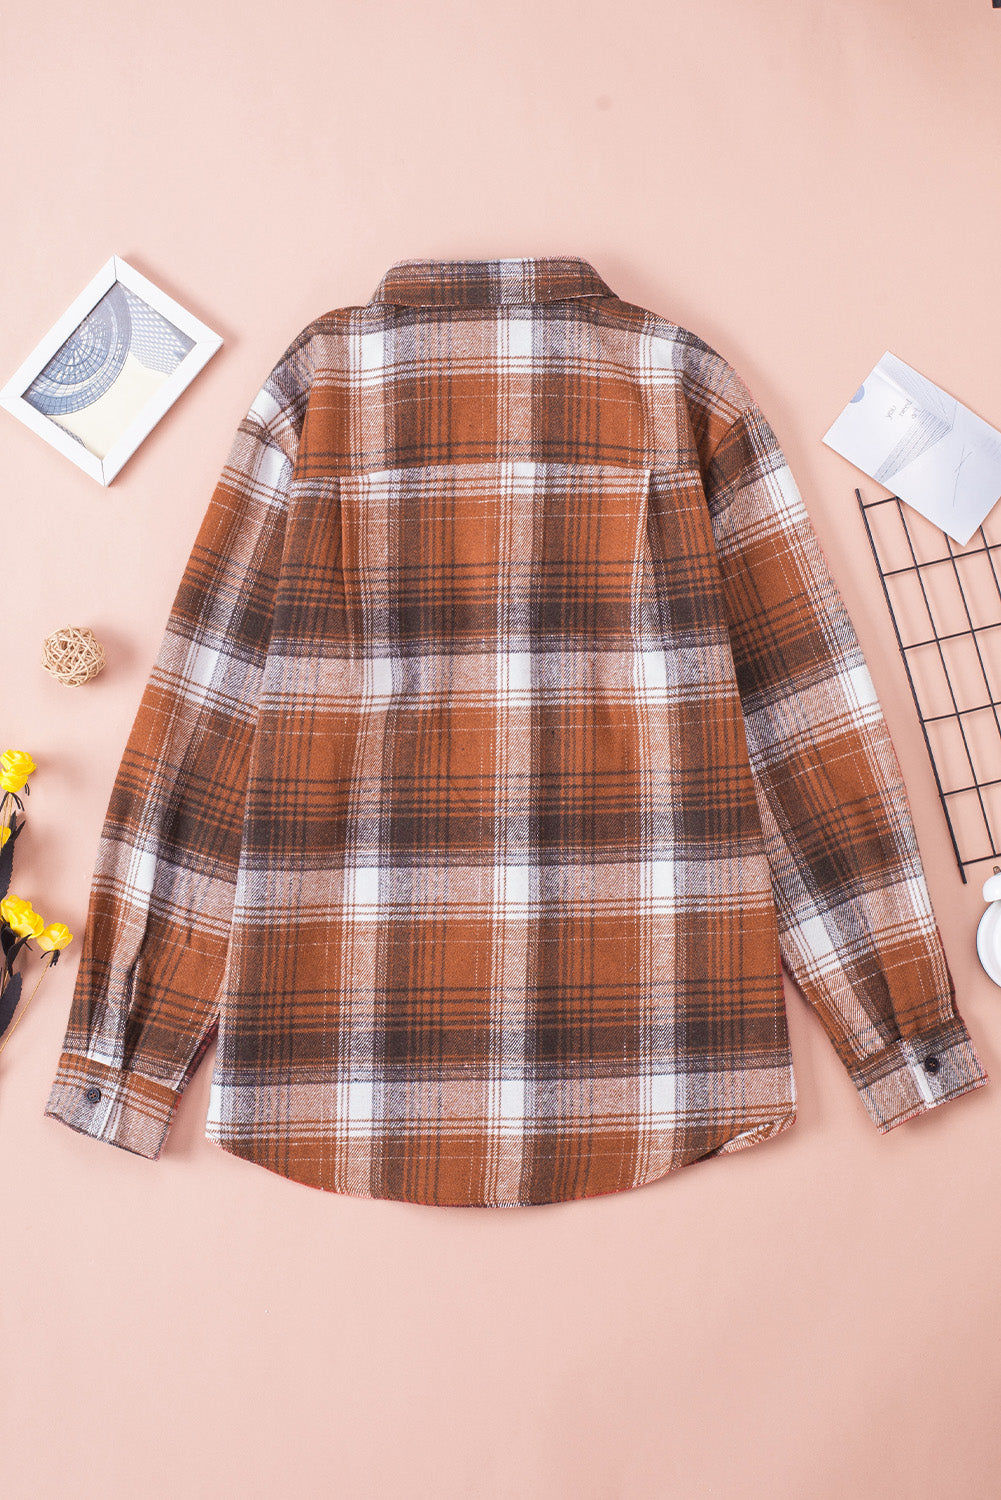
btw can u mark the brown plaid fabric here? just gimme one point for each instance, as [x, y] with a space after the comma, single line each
[507, 734]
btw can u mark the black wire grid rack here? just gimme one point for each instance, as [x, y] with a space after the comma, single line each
[945, 604]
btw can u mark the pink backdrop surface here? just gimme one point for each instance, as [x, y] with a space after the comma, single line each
[804, 185]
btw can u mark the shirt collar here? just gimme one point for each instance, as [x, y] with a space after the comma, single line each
[482, 283]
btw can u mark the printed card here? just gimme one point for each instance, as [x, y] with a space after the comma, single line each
[923, 445]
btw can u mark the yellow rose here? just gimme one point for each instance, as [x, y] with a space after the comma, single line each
[21, 916]
[11, 906]
[57, 935]
[15, 768]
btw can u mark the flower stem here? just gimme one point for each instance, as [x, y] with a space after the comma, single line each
[16, 1021]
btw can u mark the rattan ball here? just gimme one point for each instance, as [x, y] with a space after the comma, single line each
[73, 655]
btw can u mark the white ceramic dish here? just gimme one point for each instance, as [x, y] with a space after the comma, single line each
[989, 941]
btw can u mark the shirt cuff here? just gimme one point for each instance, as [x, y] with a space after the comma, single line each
[917, 1073]
[123, 1108]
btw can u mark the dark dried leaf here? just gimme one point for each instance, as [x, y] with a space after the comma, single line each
[8, 1002]
[7, 855]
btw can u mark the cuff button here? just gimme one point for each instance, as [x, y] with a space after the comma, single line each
[93, 1095]
[931, 1063]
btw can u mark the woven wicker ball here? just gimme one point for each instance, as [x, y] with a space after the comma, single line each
[73, 655]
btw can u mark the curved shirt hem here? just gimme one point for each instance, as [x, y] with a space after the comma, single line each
[749, 1136]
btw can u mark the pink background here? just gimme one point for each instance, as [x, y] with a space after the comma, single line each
[803, 184]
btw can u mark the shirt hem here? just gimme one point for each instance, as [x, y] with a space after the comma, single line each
[750, 1136]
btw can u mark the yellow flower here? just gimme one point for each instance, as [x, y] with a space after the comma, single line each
[21, 916]
[15, 768]
[57, 935]
[4, 836]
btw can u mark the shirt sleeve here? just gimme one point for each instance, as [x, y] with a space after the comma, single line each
[154, 946]
[856, 925]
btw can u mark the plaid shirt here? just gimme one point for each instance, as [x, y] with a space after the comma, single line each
[506, 737]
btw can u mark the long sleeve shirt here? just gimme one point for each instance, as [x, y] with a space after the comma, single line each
[507, 737]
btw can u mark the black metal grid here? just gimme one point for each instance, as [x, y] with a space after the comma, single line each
[977, 838]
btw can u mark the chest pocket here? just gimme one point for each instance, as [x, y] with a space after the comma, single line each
[453, 558]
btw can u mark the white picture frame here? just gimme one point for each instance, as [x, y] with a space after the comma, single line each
[105, 373]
